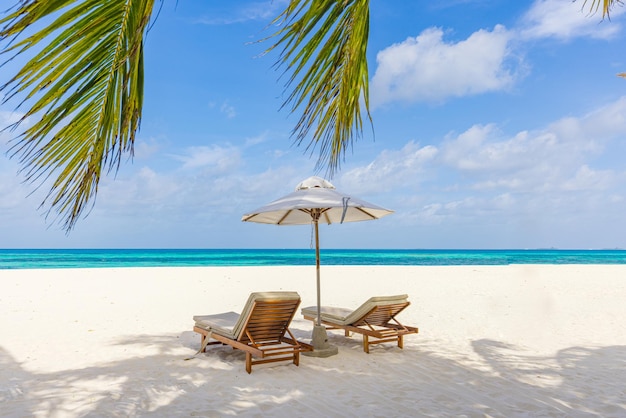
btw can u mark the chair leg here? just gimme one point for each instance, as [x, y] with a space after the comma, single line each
[366, 344]
[401, 341]
[296, 358]
[202, 340]
[248, 362]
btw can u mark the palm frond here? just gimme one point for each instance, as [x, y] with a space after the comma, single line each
[83, 87]
[607, 5]
[324, 46]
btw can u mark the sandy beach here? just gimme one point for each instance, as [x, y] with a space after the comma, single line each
[494, 341]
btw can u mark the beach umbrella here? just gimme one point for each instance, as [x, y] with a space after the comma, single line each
[316, 200]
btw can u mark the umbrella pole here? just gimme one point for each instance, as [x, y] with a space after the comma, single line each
[317, 269]
[319, 339]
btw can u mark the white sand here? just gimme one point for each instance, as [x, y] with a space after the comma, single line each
[494, 341]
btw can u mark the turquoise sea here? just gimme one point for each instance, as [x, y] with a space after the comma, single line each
[99, 258]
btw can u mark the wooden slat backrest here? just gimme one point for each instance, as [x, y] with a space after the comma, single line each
[269, 320]
[382, 314]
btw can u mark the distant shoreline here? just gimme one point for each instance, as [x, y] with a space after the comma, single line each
[108, 258]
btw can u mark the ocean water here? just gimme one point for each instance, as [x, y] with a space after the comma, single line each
[102, 258]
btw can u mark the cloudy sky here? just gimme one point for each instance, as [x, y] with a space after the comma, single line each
[497, 124]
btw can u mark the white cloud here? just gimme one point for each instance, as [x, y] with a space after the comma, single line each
[390, 170]
[141, 194]
[19, 201]
[12, 192]
[255, 140]
[426, 68]
[6, 119]
[526, 183]
[552, 154]
[607, 121]
[144, 149]
[566, 20]
[228, 110]
[213, 157]
[262, 10]
[548, 159]
[588, 179]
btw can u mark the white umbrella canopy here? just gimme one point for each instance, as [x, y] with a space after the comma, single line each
[316, 200]
[315, 196]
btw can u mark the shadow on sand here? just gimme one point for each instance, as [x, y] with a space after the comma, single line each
[498, 380]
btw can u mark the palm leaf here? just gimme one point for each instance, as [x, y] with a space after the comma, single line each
[84, 88]
[323, 46]
[607, 5]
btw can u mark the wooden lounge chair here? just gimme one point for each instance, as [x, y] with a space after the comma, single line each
[261, 330]
[375, 320]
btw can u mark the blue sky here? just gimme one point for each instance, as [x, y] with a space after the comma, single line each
[497, 124]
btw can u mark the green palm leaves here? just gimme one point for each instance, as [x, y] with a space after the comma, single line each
[85, 85]
[324, 45]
